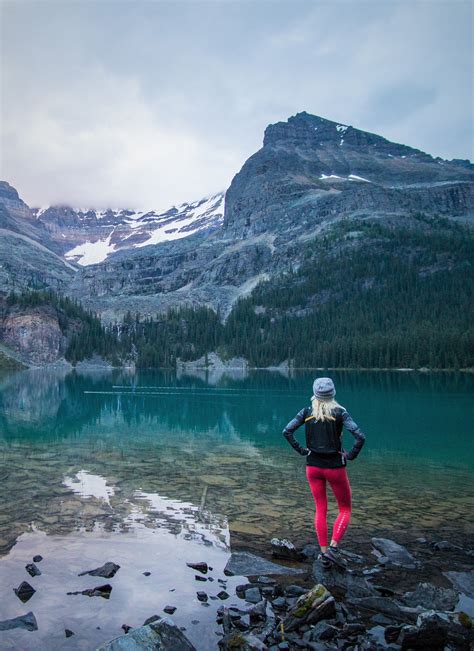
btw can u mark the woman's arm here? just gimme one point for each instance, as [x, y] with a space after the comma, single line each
[356, 432]
[292, 427]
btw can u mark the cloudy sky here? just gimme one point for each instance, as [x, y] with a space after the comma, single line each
[149, 103]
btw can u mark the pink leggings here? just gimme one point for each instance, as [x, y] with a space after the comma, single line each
[339, 482]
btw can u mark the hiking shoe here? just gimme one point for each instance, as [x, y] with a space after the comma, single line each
[325, 562]
[334, 556]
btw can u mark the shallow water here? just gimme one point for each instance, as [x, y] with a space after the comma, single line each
[151, 470]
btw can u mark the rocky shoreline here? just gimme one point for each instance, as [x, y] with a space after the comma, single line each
[385, 596]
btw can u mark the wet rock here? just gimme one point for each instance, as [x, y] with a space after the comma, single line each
[146, 573]
[239, 641]
[382, 605]
[445, 546]
[348, 583]
[463, 581]
[27, 622]
[310, 552]
[315, 605]
[353, 629]
[396, 554]
[202, 596]
[199, 567]
[321, 631]
[126, 628]
[295, 590]
[429, 596]
[265, 580]
[100, 591]
[151, 619]
[37, 559]
[68, 632]
[247, 564]
[252, 595]
[285, 549]
[258, 613]
[200, 578]
[392, 632]
[279, 603]
[161, 635]
[223, 595]
[32, 569]
[169, 609]
[24, 592]
[429, 633]
[107, 571]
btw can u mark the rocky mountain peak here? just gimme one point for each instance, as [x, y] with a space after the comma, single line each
[313, 131]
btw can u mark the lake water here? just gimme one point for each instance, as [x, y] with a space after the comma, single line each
[152, 470]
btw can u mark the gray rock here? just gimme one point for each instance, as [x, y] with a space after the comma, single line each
[27, 622]
[107, 571]
[252, 595]
[32, 569]
[161, 635]
[349, 583]
[247, 564]
[237, 640]
[285, 550]
[24, 592]
[310, 608]
[463, 581]
[396, 554]
[429, 596]
[382, 605]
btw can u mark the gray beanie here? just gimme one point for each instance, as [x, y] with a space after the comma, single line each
[323, 388]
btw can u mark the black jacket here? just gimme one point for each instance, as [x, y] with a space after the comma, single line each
[324, 438]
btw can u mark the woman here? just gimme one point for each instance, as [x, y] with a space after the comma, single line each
[326, 461]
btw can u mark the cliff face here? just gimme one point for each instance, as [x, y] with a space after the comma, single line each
[34, 334]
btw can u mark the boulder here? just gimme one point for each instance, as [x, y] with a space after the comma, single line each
[429, 596]
[247, 564]
[285, 550]
[395, 553]
[160, 635]
[348, 583]
[310, 608]
[27, 622]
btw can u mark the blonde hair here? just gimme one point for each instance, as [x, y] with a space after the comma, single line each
[322, 409]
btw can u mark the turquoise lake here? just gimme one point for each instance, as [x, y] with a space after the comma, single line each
[152, 470]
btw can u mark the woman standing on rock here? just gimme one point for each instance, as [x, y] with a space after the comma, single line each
[326, 461]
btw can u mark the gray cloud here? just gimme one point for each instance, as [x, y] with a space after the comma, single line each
[149, 103]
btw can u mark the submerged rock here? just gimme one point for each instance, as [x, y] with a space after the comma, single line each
[24, 592]
[160, 635]
[247, 564]
[395, 553]
[27, 622]
[100, 591]
[107, 571]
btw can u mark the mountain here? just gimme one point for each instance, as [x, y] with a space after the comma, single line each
[89, 236]
[324, 224]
